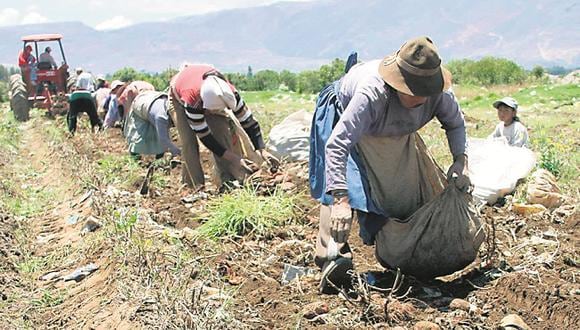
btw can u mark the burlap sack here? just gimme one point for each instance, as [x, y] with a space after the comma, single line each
[440, 238]
[542, 189]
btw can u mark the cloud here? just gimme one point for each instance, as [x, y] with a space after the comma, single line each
[114, 23]
[33, 18]
[9, 16]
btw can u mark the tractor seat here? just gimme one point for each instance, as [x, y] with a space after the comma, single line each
[44, 66]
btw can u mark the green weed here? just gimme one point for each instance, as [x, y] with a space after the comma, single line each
[9, 133]
[31, 264]
[125, 221]
[558, 154]
[49, 299]
[119, 170]
[243, 212]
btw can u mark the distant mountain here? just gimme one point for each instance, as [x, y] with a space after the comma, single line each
[304, 35]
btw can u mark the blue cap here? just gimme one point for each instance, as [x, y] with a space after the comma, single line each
[509, 101]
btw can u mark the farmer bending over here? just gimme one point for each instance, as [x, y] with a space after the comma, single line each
[81, 100]
[147, 126]
[366, 156]
[199, 97]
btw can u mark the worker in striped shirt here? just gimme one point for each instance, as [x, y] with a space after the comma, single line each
[199, 98]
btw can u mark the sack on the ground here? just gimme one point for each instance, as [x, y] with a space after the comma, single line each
[542, 189]
[291, 138]
[495, 168]
[439, 239]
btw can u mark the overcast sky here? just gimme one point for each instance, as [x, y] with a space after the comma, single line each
[107, 14]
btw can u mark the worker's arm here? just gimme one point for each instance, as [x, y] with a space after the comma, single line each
[353, 123]
[452, 121]
[249, 124]
[451, 118]
[161, 123]
[196, 120]
[112, 112]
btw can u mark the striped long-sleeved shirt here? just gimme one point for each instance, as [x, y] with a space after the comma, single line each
[202, 87]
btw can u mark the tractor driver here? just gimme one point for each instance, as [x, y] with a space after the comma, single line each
[47, 58]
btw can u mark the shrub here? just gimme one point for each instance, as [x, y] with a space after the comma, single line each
[487, 71]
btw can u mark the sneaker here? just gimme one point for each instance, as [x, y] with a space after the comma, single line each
[337, 273]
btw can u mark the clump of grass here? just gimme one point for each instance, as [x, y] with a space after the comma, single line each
[49, 299]
[243, 211]
[9, 132]
[115, 169]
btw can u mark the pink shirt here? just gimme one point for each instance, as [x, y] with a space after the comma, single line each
[132, 90]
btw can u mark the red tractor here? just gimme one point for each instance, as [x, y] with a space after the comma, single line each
[42, 84]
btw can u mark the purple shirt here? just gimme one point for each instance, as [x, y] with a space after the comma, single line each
[371, 109]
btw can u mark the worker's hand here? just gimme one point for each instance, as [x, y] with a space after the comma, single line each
[340, 220]
[272, 161]
[458, 173]
[239, 166]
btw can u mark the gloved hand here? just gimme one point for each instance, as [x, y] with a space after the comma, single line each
[239, 166]
[272, 161]
[458, 173]
[340, 220]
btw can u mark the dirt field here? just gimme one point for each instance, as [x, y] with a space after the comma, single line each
[153, 272]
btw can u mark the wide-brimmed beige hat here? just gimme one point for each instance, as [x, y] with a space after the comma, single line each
[116, 84]
[415, 69]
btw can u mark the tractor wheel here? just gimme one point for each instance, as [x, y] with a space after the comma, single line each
[19, 98]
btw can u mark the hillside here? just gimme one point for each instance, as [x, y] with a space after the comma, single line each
[304, 35]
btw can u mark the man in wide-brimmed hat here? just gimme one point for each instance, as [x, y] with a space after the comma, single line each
[366, 157]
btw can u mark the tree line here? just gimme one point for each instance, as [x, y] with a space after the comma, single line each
[486, 71]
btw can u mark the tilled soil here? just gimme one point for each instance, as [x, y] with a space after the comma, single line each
[530, 269]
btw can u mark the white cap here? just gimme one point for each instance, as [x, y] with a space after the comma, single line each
[216, 94]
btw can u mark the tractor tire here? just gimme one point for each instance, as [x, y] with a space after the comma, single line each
[15, 79]
[19, 98]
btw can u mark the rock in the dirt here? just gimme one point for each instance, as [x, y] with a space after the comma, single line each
[287, 186]
[189, 234]
[513, 322]
[73, 219]
[291, 272]
[526, 209]
[426, 325]
[50, 276]
[190, 199]
[397, 311]
[90, 226]
[81, 273]
[459, 304]
[314, 309]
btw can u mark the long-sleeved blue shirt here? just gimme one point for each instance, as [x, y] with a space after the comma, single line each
[372, 108]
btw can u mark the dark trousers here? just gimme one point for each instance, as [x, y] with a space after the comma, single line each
[83, 105]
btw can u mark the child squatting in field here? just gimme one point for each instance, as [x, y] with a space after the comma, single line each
[510, 128]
